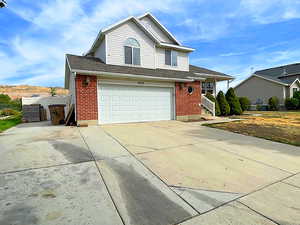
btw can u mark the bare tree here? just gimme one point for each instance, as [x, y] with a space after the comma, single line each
[2, 3]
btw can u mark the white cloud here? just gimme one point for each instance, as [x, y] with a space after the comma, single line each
[270, 11]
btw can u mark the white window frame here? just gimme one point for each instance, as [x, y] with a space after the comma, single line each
[171, 60]
[132, 57]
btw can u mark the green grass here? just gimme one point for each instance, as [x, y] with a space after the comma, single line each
[10, 122]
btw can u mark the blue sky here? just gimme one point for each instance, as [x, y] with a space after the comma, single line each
[233, 36]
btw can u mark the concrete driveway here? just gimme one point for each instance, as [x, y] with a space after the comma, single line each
[145, 174]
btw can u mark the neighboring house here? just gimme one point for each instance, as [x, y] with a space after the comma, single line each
[136, 70]
[281, 82]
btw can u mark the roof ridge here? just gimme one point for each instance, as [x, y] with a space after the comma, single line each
[276, 67]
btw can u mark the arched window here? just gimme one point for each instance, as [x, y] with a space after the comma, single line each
[132, 52]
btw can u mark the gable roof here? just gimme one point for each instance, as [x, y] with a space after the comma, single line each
[282, 74]
[94, 66]
[161, 26]
[137, 21]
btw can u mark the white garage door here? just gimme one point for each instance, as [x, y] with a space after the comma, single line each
[125, 103]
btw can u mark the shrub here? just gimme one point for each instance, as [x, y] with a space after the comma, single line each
[4, 98]
[245, 103]
[297, 95]
[233, 101]
[273, 104]
[292, 103]
[224, 106]
[213, 99]
[9, 112]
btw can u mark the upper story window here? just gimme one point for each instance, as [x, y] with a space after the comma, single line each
[170, 57]
[132, 52]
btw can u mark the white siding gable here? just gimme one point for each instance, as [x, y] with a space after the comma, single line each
[115, 45]
[155, 30]
[182, 60]
[101, 51]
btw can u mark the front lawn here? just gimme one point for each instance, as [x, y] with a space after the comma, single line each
[10, 122]
[276, 126]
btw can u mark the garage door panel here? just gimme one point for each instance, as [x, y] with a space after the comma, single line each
[123, 103]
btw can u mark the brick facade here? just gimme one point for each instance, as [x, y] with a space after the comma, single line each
[188, 104]
[86, 98]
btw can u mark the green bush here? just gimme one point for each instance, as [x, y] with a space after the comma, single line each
[273, 104]
[224, 106]
[9, 112]
[213, 99]
[233, 101]
[4, 98]
[297, 95]
[291, 103]
[245, 103]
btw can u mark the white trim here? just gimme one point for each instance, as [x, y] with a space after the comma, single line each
[284, 93]
[197, 78]
[89, 72]
[117, 24]
[75, 102]
[138, 83]
[137, 22]
[69, 75]
[213, 76]
[106, 51]
[176, 47]
[161, 26]
[295, 81]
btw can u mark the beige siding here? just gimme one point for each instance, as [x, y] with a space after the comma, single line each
[182, 60]
[115, 45]
[256, 88]
[295, 85]
[101, 51]
[155, 30]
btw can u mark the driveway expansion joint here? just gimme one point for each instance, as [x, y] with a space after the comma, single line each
[295, 186]
[44, 167]
[200, 189]
[101, 176]
[245, 157]
[268, 218]
[152, 172]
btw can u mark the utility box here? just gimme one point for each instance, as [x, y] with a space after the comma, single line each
[57, 114]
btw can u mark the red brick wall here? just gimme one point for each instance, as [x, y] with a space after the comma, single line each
[188, 104]
[86, 98]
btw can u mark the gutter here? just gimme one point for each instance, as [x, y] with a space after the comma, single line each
[89, 72]
[211, 75]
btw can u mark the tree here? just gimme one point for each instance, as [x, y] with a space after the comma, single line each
[2, 3]
[224, 106]
[53, 91]
[245, 103]
[273, 104]
[213, 99]
[4, 98]
[234, 103]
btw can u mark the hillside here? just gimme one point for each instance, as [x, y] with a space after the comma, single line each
[19, 91]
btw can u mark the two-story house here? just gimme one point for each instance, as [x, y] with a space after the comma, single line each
[136, 70]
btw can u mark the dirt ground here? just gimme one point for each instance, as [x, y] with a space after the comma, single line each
[282, 127]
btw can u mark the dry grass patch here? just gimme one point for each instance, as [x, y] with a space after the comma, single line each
[276, 126]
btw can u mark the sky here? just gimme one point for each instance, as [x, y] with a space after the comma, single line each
[235, 37]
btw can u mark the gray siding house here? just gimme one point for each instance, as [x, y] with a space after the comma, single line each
[281, 82]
